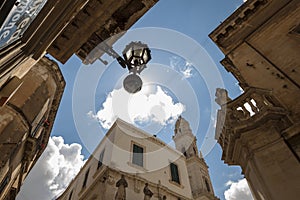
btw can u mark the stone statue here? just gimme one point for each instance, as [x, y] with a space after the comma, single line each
[222, 96]
[122, 185]
[147, 192]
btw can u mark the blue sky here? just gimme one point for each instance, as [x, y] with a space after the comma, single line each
[190, 20]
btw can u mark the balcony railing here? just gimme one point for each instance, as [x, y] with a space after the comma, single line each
[251, 105]
[250, 110]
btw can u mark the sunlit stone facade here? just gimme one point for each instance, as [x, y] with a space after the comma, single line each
[141, 159]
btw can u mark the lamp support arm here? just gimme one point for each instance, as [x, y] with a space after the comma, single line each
[109, 50]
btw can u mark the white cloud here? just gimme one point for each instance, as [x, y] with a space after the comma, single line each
[238, 190]
[91, 115]
[229, 183]
[187, 72]
[140, 107]
[188, 63]
[182, 66]
[54, 170]
[176, 62]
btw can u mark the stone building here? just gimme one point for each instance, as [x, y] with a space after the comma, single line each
[31, 85]
[30, 28]
[27, 111]
[260, 129]
[131, 164]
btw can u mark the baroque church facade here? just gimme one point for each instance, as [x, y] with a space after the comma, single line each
[132, 164]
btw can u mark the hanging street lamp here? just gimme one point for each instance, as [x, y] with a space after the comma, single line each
[135, 57]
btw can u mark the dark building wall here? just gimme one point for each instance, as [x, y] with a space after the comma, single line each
[260, 129]
[27, 116]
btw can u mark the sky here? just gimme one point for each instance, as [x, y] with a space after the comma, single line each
[180, 79]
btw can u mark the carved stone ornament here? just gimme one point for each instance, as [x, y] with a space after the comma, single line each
[110, 180]
[222, 96]
[137, 186]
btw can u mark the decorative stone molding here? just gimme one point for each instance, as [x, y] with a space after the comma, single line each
[163, 189]
[94, 22]
[137, 185]
[230, 67]
[238, 18]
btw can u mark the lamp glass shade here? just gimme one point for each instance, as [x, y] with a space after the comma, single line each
[129, 53]
[137, 54]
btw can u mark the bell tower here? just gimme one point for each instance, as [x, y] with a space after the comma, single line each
[185, 142]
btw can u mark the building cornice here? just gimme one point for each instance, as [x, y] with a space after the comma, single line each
[244, 21]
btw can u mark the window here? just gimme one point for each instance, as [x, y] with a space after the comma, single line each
[207, 185]
[100, 161]
[4, 183]
[70, 196]
[137, 157]
[174, 173]
[85, 178]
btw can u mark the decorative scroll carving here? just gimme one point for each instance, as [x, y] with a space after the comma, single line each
[137, 185]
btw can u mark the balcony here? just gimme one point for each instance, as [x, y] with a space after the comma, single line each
[252, 110]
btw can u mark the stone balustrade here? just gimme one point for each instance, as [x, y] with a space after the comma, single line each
[251, 105]
[250, 110]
